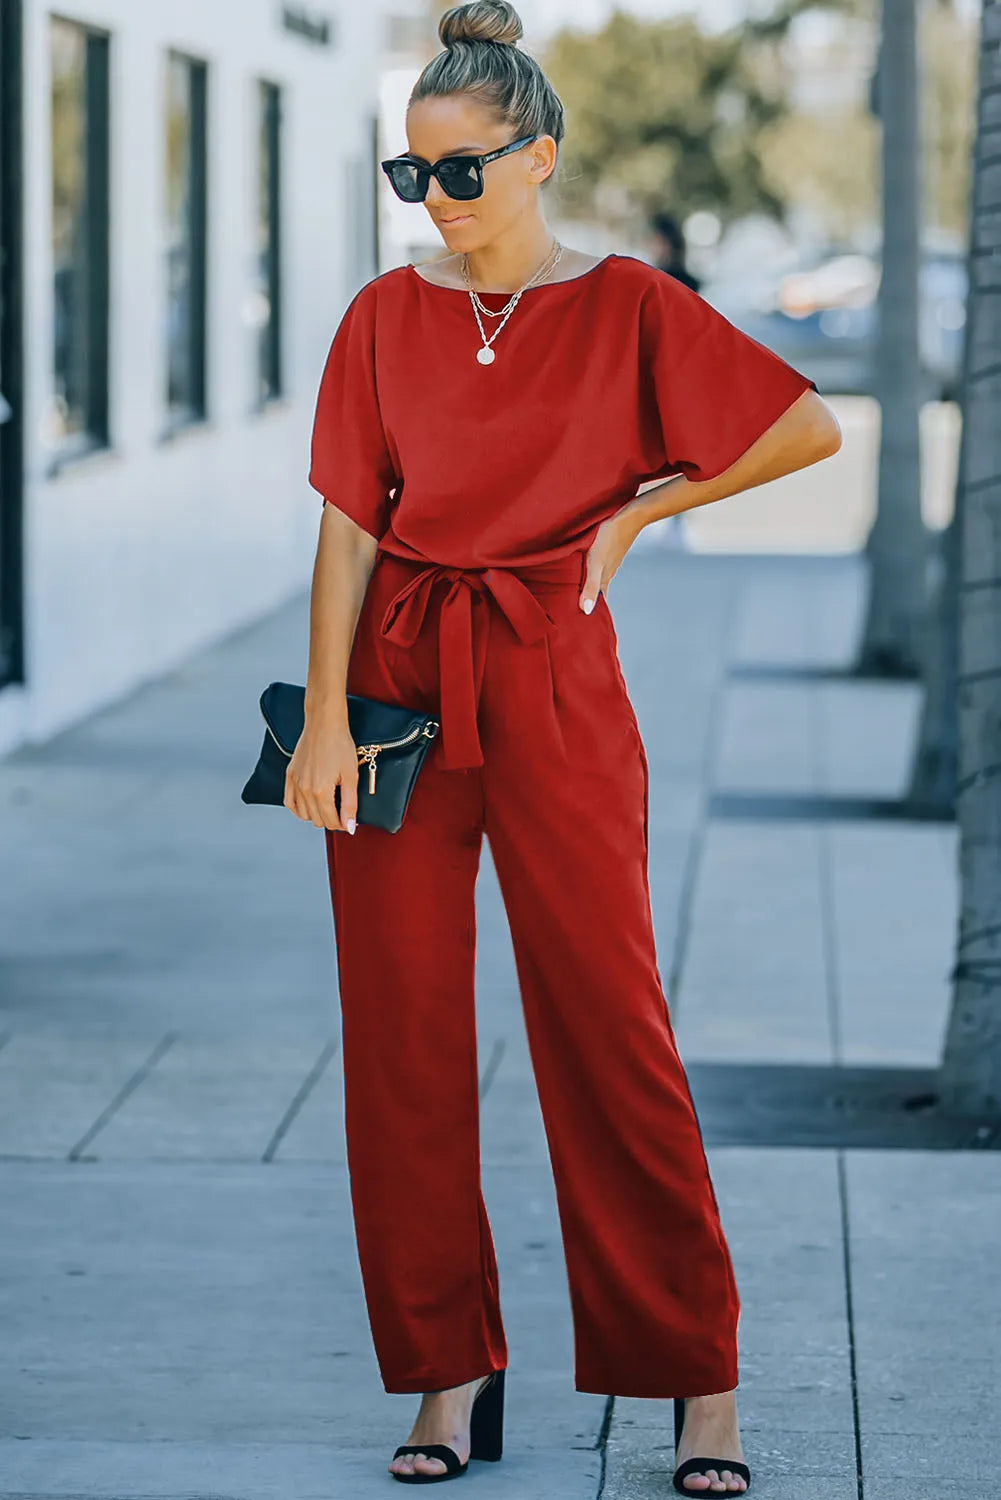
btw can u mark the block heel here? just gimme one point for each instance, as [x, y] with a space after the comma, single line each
[486, 1424]
[700, 1465]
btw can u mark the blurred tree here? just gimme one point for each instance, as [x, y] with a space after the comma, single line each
[658, 111]
[970, 1078]
[826, 163]
[950, 58]
[932, 792]
[948, 54]
[892, 636]
[824, 153]
[910, 629]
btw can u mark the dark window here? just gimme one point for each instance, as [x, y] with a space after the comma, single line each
[268, 243]
[186, 238]
[79, 59]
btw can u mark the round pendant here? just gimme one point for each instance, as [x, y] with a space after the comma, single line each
[485, 355]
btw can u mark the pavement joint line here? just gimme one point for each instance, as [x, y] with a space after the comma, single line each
[289, 1164]
[129, 1087]
[302, 1094]
[696, 843]
[850, 1316]
[811, 672]
[497, 1049]
[601, 1443]
[809, 807]
[179, 1161]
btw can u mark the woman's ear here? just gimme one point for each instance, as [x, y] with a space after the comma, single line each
[543, 158]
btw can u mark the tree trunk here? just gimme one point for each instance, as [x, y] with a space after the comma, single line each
[933, 781]
[892, 638]
[971, 1061]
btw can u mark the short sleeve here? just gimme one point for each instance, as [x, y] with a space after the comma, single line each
[711, 390]
[350, 462]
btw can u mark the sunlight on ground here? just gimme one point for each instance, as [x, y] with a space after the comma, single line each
[828, 507]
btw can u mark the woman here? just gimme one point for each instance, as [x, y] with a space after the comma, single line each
[482, 427]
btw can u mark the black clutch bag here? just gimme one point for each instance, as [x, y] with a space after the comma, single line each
[392, 742]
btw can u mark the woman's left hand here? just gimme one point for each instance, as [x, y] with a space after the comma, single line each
[612, 541]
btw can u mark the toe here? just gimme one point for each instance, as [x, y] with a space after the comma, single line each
[428, 1465]
[697, 1482]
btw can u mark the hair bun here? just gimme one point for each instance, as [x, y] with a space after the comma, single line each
[481, 21]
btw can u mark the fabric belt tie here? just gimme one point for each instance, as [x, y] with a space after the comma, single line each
[462, 649]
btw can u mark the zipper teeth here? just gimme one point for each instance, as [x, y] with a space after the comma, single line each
[392, 744]
[277, 741]
[383, 745]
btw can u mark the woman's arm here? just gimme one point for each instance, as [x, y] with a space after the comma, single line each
[806, 432]
[326, 755]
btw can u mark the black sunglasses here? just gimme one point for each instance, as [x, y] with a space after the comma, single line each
[458, 176]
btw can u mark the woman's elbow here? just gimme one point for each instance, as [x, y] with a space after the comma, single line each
[824, 432]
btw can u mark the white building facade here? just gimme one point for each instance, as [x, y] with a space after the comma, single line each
[186, 205]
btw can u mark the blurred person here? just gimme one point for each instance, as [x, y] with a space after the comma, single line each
[670, 249]
[481, 427]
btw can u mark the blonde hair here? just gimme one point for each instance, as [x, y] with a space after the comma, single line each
[481, 58]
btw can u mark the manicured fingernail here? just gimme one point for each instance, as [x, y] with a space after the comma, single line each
[587, 606]
[351, 825]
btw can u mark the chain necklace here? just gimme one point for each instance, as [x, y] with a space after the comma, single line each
[486, 355]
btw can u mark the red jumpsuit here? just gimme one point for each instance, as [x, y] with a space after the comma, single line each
[485, 485]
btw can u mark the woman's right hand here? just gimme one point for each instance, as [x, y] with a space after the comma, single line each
[325, 758]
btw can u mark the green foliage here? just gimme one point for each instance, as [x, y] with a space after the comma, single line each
[948, 41]
[662, 114]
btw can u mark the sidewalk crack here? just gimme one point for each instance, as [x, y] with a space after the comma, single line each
[850, 1316]
[129, 1087]
[601, 1443]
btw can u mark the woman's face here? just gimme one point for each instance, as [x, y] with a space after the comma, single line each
[457, 126]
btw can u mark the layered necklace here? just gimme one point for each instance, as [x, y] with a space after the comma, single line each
[486, 355]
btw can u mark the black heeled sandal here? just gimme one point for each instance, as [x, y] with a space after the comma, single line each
[700, 1465]
[486, 1436]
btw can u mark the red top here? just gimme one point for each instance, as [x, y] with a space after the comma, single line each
[599, 383]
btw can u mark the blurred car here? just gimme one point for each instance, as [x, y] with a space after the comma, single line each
[822, 319]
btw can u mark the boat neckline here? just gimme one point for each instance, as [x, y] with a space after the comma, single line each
[567, 280]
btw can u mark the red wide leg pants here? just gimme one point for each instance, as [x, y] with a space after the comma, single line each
[540, 750]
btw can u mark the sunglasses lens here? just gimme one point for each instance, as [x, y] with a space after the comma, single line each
[459, 178]
[410, 182]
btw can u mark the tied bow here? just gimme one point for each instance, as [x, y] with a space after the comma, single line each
[462, 649]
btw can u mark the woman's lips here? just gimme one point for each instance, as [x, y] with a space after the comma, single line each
[459, 219]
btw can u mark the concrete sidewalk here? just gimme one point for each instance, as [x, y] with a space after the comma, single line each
[179, 1281]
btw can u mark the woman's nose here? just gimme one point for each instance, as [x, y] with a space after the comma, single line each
[435, 196]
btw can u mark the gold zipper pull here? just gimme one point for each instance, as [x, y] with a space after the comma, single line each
[368, 755]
